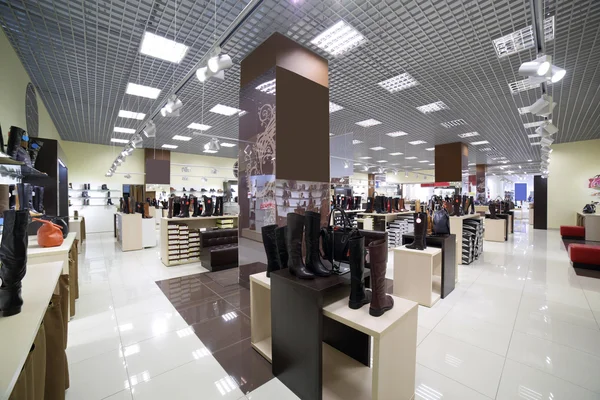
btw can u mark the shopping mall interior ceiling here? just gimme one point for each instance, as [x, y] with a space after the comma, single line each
[82, 54]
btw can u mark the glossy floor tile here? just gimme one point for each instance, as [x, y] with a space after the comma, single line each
[520, 324]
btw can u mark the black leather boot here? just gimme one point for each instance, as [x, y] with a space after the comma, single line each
[195, 209]
[380, 302]
[208, 206]
[270, 242]
[280, 234]
[104, 187]
[358, 295]
[13, 261]
[170, 212]
[184, 212]
[456, 206]
[420, 232]
[492, 208]
[293, 243]
[369, 208]
[34, 148]
[14, 141]
[312, 231]
[109, 201]
[39, 195]
[471, 205]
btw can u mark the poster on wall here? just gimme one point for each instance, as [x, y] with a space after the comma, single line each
[594, 183]
[520, 191]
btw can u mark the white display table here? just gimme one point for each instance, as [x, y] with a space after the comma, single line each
[18, 332]
[418, 274]
[37, 254]
[591, 223]
[495, 230]
[260, 310]
[75, 227]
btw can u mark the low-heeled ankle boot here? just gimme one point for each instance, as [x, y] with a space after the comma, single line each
[270, 242]
[13, 261]
[312, 231]
[293, 244]
[280, 234]
[380, 302]
[358, 295]
[420, 232]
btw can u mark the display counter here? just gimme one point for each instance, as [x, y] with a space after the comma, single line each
[78, 227]
[37, 254]
[17, 333]
[456, 228]
[418, 274]
[380, 220]
[134, 232]
[591, 223]
[495, 230]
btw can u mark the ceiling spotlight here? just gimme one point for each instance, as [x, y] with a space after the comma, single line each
[213, 145]
[539, 67]
[546, 129]
[395, 172]
[203, 74]
[213, 171]
[137, 141]
[346, 165]
[366, 168]
[120, 160]
[406, 174]
[543, 106]
[218, 63]
[380, 170]
[129, 150]
[546, 142]
[557, 74]
[150, 129]
[108, 174]
[124, 153]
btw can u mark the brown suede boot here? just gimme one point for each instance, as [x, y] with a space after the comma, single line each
[380, 302]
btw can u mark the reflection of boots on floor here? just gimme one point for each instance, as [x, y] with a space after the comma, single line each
[13, 261]
[293, 242]
[380, 302]
[358, 295]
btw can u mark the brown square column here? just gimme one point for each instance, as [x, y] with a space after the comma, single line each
[450, 161]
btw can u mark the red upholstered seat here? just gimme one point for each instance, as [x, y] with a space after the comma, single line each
[584, 253]
[572, 231]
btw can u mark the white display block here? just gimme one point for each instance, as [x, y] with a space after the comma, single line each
[456, 228]
[495, 230]
[129, 231]
[75, 227]
[591, 223]
[19, 331]
[418, 274]
[148, 232]
[260, 308]
[37, 254]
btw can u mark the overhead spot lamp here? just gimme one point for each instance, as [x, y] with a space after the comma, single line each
[538, 67]
[543, 106]
[150, 129]
[213, 145]
[172, 108]
[137, 141]
[219, 63]
[346, 164]
[203, 74]
[557, 74]
[546, 129]
[546, 142]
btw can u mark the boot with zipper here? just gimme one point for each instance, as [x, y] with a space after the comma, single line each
[358, 295]
[380, 302]
[270, 242]
[420, 232]
[293, 244]
[13, 261]
[185, 208]
[312, 231]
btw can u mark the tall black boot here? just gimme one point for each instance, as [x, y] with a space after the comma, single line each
[358, 295]
[312, 231]
[369, 208]
[464, 205]
[185, 208]
[39, 195]
[13, 261]
[34, 148]
[208, 206]
[15, 135]
[195, 213]
[170, 210]
[221, 206]
[293, 243]
[456, 206]
[280, 234]
[492, 208]
[109, 202]
[420, 232]
[215, 206]
[471, 205]
[270, 242]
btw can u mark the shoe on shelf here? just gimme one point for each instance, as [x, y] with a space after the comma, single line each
[212, 190]
[202, 190]
[192, 190]
[184, 189]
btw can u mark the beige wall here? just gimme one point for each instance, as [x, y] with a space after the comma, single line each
[200, 166]
[571, 165]
[13, 82]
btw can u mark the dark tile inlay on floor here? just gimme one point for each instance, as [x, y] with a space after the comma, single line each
[218, 309]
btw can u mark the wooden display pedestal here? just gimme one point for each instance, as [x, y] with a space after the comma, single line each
[418, 274]
[495, 230]
[456, 228]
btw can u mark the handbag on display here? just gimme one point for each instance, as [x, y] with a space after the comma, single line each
[589, 208]
[49, 234]
[335, 239]
[441, 222]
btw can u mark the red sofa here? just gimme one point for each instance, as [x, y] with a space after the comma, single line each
[585, 256]
[572, 232]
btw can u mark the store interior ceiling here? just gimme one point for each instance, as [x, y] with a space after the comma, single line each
[81, 55]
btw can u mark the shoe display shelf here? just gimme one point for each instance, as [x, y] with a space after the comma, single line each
[495, 230]
[334, 360]
[98, 215]
[472, 241]
[180, 237]
[456, 228]
[301, 197]
[402, 225]
[418, 274]
[380, 220]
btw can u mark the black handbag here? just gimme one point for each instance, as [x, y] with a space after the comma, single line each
[335, 238]
[441, 222]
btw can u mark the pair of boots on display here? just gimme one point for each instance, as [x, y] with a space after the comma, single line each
[283, 246]
[29, 197]
[379, 301]
[420, 226]
[86, 186]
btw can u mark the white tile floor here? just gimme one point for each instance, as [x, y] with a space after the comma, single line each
[519, 325]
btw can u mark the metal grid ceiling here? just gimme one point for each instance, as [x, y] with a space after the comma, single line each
[82, 54]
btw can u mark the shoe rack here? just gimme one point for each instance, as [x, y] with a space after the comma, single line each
[98, 215]
[457, 228]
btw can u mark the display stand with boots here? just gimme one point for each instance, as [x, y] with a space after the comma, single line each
[492, 208]
[312, 231]
[358, 295]
[293, 243]
[13, 261]
[380, 301]
[420, 232]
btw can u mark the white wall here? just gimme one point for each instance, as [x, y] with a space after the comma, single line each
[200, 167]
[571, 166]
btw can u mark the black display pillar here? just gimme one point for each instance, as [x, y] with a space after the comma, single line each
[540, 202]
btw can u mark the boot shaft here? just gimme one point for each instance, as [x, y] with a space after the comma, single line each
[13, 248]
[280, 236]
[294, 232]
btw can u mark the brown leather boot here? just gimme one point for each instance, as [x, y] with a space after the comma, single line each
[380, 302]
[170, 213]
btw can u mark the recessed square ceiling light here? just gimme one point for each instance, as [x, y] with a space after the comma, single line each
[182, 138]
[536, 144]
[334, 107]
[227, 144]
[416, 142]
[535, 124]
[242, 113]
[399, 82]
[357, 163]
[432, 107]
[339, 39]
[471, 164]
[453, 123]
[534, 135]
[468, 134]
[486, 149]
[365, 158]
[432, 164]
[368, 122]
[522, 39]
[163, 48]
[142, 91]
[199, 127]
[396, 154]
[396, 134]
[331, 134]
[225, 110]
[505, 161]
[524, 110]
[356, 141]
[479, 143]
[115, 140]
[382, 161]
[377, 148]
[430, 149]
[210, 151]
[394, 164]
[423, 161]
[169, 146]
[131, 114]
[410, 158]
[269, 87]
[498, 158]
[124, 130]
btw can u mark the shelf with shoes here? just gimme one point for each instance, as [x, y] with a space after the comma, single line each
[465, 244]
